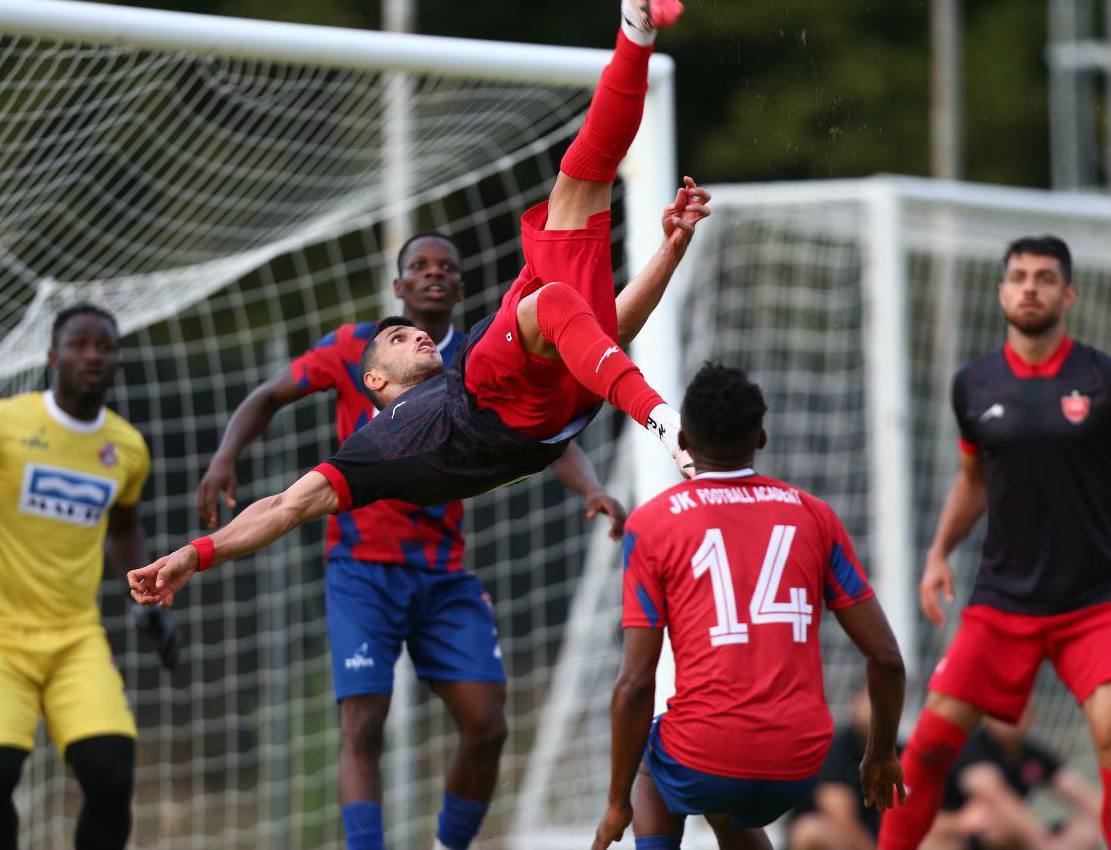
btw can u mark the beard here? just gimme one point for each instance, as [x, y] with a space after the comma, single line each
[420, 371]
[1033, 324]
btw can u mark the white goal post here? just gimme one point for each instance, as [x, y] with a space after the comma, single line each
[227, 187]
[649, 170]
[853, 303]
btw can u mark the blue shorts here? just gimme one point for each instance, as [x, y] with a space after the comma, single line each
[445, 619]
[751, 803]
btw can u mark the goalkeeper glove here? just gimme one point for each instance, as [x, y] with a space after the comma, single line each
[159, 625]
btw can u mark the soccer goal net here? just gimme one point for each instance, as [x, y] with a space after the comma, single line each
[233, 191]
[853, 303]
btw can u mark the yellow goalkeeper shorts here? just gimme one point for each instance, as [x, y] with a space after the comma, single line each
[66, 675]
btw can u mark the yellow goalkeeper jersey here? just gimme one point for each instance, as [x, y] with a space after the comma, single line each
[59, 477]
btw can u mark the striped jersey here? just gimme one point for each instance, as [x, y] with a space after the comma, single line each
[388, 531]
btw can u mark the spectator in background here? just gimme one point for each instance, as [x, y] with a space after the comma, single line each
[985, 798]
[984, 807]
[835, 817]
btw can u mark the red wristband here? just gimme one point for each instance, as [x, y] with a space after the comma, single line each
[206, 552]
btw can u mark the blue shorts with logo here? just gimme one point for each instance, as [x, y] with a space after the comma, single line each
[445, 619]
[751, 803]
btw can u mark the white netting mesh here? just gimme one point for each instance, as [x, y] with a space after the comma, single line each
[231, 213]
[777, 284]
[149, 180]
[780, 288]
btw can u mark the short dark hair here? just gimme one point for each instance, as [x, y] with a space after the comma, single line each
[83, 309]
[723, 410]
[425, 234]
[1042, 246]
[366, 362]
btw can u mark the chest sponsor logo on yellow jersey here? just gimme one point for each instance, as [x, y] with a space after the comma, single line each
[65, 495]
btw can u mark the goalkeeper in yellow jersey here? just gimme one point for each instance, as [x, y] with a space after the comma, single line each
[71, 472]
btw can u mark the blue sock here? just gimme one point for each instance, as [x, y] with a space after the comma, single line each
[657, 842]
[362, 824]
[459, 821]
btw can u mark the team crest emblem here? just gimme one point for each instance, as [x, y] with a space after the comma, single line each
[107, 455]
[1076, 407]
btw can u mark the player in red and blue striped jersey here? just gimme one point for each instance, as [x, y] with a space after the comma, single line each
[736, 566]
[511, 403]
[529, 377]
[395, 570]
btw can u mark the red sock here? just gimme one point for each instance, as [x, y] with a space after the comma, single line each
[1105, 810]
[931, 751]
[614, 116]
[596, 361]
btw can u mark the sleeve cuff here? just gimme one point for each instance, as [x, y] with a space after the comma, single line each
[339, 484]
[850, 601]
[968, 447]
[206, 552]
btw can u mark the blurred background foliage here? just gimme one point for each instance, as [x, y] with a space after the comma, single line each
[781, 89]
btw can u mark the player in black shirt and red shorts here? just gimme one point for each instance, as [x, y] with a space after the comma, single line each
[1035, 438]
[528, 379]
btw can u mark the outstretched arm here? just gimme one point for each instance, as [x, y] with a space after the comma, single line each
[576, 471]
[641, 295]
[247, 422]
[259, 525]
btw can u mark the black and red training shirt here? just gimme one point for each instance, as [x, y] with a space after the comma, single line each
[1043, 434]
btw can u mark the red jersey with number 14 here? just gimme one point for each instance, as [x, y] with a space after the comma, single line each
[736, 566]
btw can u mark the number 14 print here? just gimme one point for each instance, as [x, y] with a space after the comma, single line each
[712, 558]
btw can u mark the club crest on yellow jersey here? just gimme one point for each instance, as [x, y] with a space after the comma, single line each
[107, 455]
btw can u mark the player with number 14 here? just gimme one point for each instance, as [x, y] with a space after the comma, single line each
[736, 564]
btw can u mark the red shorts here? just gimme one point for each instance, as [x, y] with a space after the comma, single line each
[537, 395]
[995, 656]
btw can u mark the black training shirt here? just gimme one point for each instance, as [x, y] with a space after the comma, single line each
[1043, 434]
[433, 445]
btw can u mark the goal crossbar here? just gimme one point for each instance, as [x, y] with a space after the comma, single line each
[649, 170]
[308, 44]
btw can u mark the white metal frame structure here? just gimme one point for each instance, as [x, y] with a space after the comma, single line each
[887, 345]
[649, 171]
[1079, 72]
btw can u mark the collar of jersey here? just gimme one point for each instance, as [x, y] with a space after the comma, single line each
[442, 344]
[1048, 368]
[728, 473]
[67, 421]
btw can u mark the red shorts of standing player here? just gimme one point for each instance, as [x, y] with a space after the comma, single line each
[1034, 418]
